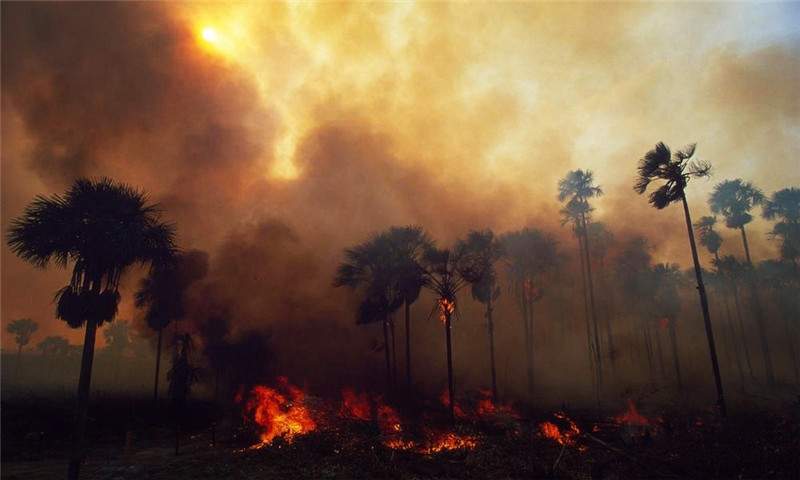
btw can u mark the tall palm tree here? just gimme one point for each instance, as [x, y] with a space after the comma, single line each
[666, 303]
[101, 227]
[443, 274]
[531, 255]
[371, 268]
[481, 250]
[161, 294]
[577, 188]
[734, 199]
[784, 205]
[675, 170]
[22, 329]
[407, 244]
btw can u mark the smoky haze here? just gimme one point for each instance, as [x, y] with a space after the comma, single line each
[317, 126]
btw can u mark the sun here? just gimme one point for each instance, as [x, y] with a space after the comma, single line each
[210, 35]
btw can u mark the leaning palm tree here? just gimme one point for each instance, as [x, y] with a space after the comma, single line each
[531, 256]
[481, 250]
[675, 170]
[444, 277]
[407, 245]
[784, 206]
[22, 329]
[100, 227]
[370, 267]
[576, 189]
[734, 199]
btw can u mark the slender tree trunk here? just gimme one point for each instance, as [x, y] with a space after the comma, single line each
[598, 354]
[491, 347]
[701, 290]
[530, 350]
[388, 355]
[732, 341]
[677, 362]
[607, 311]
[158, 365]
[84, 382]
[526, 333]
[18, 362]
[742, 331]
[589, 342]
[660, 352]
[450, 388]
[408, 344]
[759, 314]
[394, 352]
[648, 347]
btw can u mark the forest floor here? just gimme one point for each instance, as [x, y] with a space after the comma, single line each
[669, 444]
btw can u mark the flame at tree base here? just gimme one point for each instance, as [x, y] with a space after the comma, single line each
[277, 414]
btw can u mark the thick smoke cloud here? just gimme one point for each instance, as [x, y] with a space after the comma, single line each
[385, 114]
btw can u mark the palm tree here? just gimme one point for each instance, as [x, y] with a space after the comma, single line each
[531, 254]
[22, 329]
[709, 237]
[407, 244]
[117, 340]
[666, 303]
[779, 276]
[444, 276]
[481, 250]
[100, 227]
[784, 205]
[371, 268]
[734, 199]
[675, 170]
[161, 293]
[577, 188]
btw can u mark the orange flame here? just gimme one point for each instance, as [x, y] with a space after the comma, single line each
[449, 441]
[444, 398]
[388, 419]
[632, 416]
[355, 406]
[566, 436]
[446, 308]
[279, 415]
[486, 406]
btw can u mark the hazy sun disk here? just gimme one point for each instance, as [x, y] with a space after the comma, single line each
[210, 35]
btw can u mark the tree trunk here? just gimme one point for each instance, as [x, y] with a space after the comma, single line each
[158, 365]
[759, 314]
[659, 352]
[607, 311]
[742, 331]
[648, 347]
[589, 343]
[388, 358]
[530, 351]
[674, 341]
[82, 408]
[491, 347]
[701, 290]
[408, 344]
[598, 354]
[18, 362]
[732, 340]
[394, 351]
[450, 389]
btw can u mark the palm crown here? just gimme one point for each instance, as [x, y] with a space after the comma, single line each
[22, 330]
[733, 199]
[784, 205]
[480, 251]
[709, 237]
[674, 169]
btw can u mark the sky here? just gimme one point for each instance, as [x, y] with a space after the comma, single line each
[275, 134]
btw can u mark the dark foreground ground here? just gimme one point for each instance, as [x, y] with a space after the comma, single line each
[131, 440]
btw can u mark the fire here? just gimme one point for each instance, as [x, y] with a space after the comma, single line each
[388, 419]
[486, 406]
[355, 405]
[563, 436]
[279, 414]
[446, 308]
[449, 441]
[444, 398]
[632, 416]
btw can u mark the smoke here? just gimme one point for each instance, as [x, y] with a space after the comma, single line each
[307, 128]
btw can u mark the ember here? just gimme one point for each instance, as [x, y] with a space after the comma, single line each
[279, 414]
[564, 436]
[444, 398]
[486, 406]
[450, 441]
[446, 308]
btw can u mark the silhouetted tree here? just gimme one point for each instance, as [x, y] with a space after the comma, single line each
[734, 199]
[709, 237]
[481, 250]
[784, 206]
[22, 329]
[161, 294]
[576, 188]
[666, 304]
[182, 376]
[675, 170]
[531, 255]
[407, 245]
[443, 277]
[102, 228]
[371, 268]
[54, 345]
